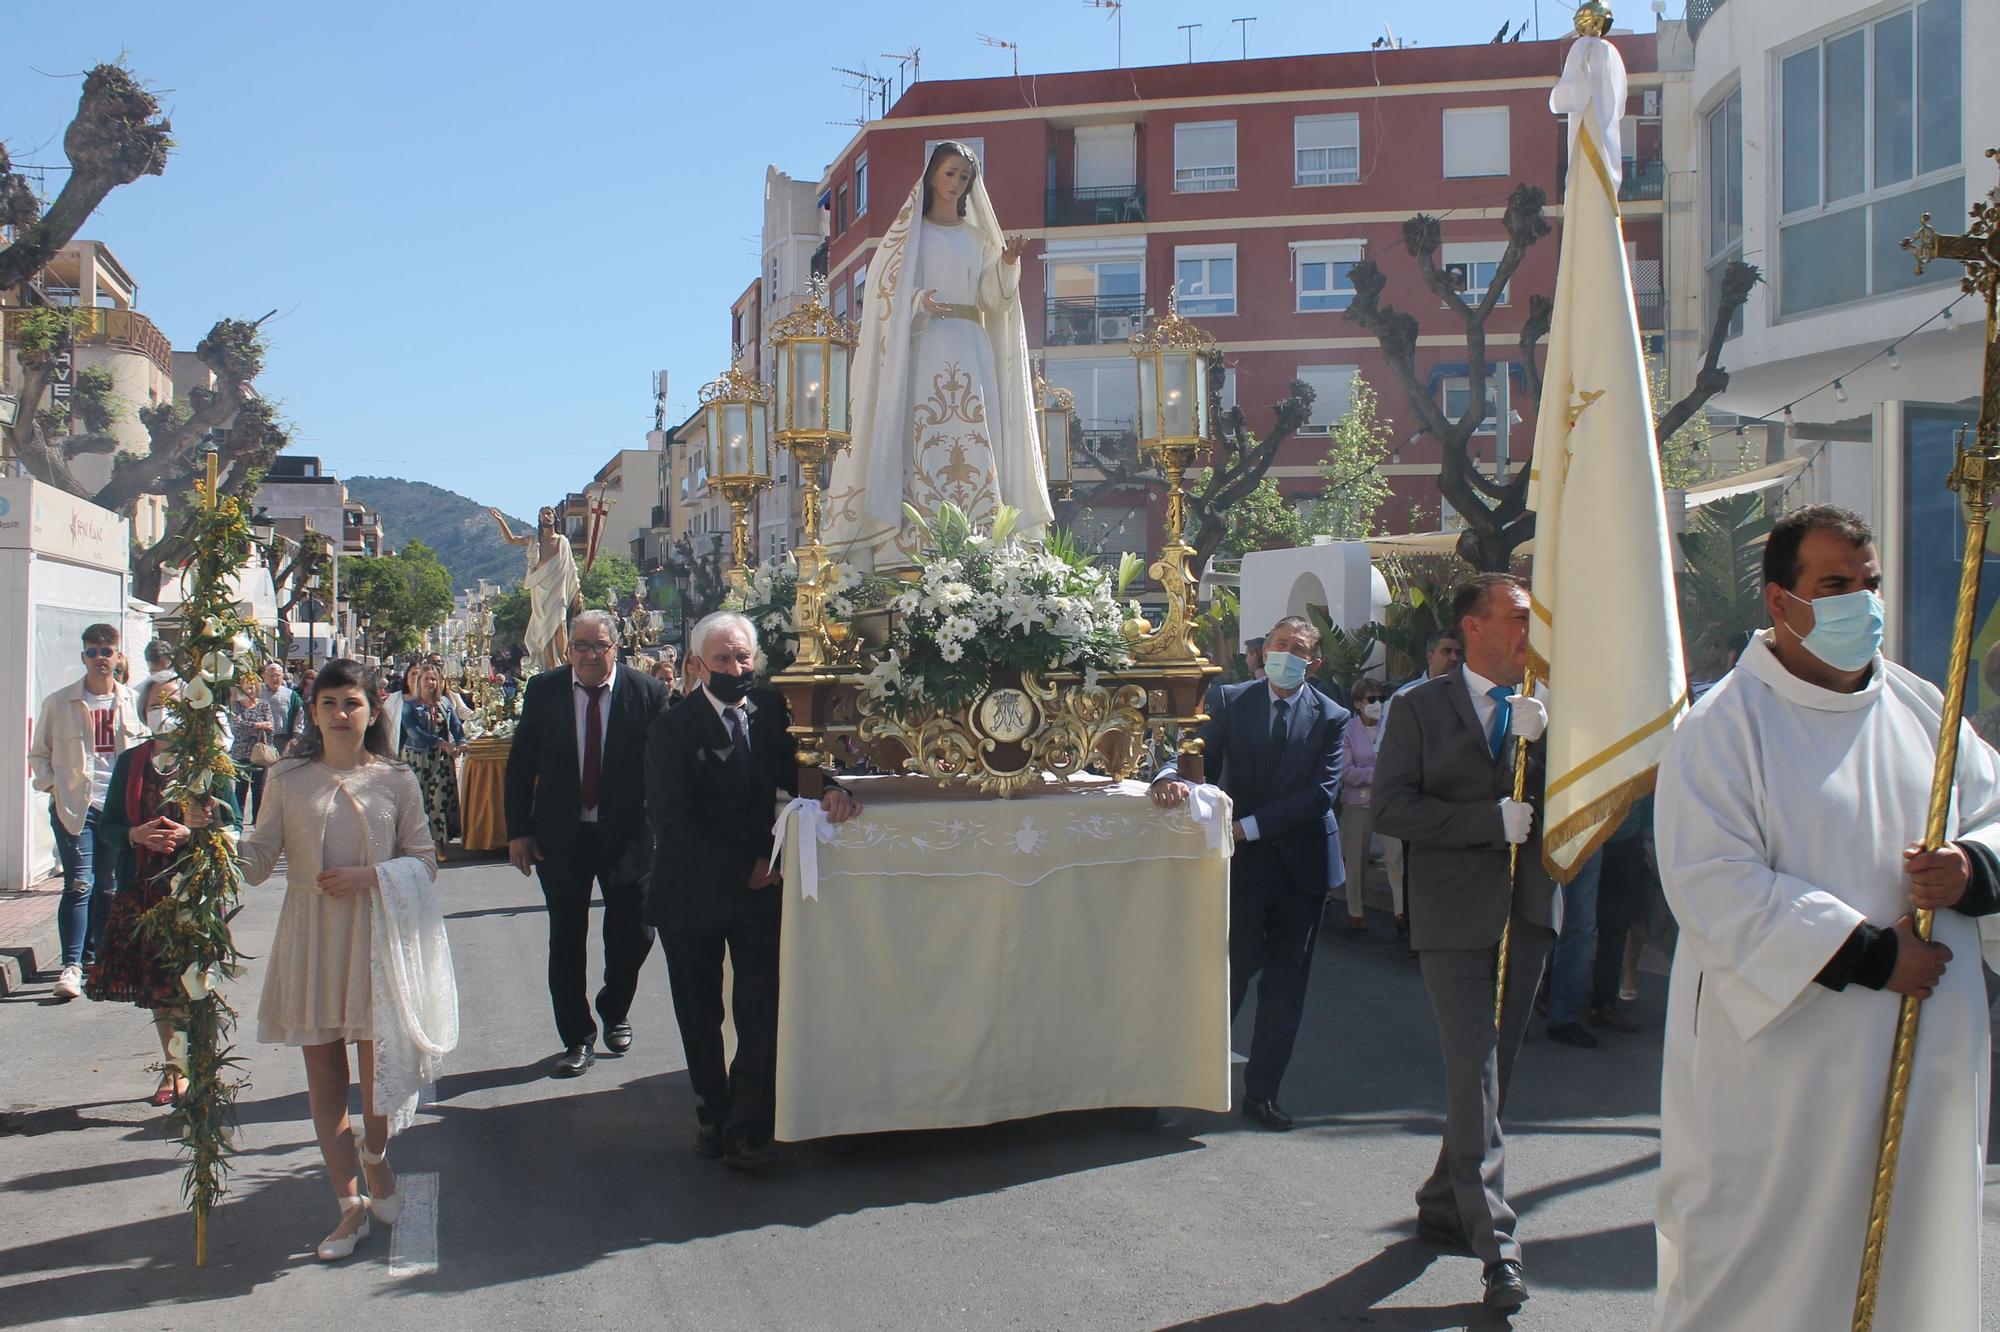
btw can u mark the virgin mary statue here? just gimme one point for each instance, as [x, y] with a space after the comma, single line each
[943, 399]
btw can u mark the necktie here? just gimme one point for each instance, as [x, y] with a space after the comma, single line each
[593, 746]
[739, 740]
[1278, 728]
[1503, 713]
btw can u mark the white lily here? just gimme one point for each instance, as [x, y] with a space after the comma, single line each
[197, 694]
[217, 666]
[195, 981]
[177, 1050]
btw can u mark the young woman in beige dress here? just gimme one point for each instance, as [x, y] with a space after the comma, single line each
[341, 806]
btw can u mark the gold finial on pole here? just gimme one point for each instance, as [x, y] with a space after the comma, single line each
[212, 464]
[1593, 18]
[1973, 477]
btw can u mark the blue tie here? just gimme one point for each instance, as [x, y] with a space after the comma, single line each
[1503, 713]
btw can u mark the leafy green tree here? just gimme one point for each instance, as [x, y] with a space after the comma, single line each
[1262, 520]
[610, 579]
[1350, 472]
[1722, 586]
[404, 594]
[510, 618]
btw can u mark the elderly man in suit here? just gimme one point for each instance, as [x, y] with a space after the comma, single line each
[576, 811]
[1275, 744]
[715, 763]
[1444, 780]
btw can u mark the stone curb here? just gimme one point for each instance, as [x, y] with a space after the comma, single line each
[23, 960]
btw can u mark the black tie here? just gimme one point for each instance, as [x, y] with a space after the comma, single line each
[739, 740]
[1278, 726]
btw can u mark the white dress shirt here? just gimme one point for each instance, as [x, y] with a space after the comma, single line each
[1482, 705]
[581, 697]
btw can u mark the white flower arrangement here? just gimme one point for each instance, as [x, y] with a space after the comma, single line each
[989, 602]
[772, 605]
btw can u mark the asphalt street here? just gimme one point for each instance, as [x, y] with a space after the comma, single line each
[578, 1204]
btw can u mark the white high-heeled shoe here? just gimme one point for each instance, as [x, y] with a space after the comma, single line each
[387, 1209]
[337, 1246]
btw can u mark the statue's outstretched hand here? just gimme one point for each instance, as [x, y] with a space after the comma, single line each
[1011, 252]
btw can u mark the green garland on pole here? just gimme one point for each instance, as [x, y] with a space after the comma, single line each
[189, 928]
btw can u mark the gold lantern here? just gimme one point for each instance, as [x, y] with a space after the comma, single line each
[737, 411]
[1056, 412]
[813, 350]
[1174, 429]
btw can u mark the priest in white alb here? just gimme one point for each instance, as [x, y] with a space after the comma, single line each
[1791, 803]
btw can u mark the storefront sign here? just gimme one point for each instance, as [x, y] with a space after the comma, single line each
[53, 522]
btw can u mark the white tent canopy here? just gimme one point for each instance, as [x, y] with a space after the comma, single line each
[1744, 482]
[250, 586]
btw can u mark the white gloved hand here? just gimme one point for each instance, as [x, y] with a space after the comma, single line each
[1517, 819]
[1528, 718]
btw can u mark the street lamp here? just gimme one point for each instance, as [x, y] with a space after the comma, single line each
[10, 410]
[737, 408]
[814, 349]
[313, 611]
[683, 588]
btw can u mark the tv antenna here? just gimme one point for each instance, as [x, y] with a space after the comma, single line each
[909, 67]
[1117, 9]
[1243, 26]
[1014, 47]
[1189, 29]
[870, 86]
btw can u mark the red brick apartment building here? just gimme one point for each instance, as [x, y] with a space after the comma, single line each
[1253, 185]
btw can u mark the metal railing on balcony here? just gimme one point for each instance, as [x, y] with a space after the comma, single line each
[1699, 12]
[1093, 321]
[1649, 294]
[819, 260]
[1095, 205]
[125, 329]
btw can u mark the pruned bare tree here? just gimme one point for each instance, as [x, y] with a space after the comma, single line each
[116, 137]
[1496, 514]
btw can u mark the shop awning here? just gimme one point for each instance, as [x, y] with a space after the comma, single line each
[1744, 482]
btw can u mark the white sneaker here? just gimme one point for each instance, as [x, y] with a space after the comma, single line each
[69, 985]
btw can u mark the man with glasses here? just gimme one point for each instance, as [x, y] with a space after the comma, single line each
[576, 813]
[82, 730]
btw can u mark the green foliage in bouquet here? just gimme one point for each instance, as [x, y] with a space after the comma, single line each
[988, 603]
[190, 927]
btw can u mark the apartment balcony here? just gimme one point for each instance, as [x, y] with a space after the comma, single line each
[126, 330]
[1095, 205]
[1642, 177]
[1649, 294]
[1093, 321]
[819, 259]
[1699, 12]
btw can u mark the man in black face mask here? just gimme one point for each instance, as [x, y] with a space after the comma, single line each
[715, 763]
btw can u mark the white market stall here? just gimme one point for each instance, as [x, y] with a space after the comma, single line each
[64, 564]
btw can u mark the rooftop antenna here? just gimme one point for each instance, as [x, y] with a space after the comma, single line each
[1189, 29]
[1014, 47]
[909, 67]
[1243, 26]
[1394, 45]
[1117, 8]
[870, 86]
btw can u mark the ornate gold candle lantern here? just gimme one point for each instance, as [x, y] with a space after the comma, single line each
[736, 410]
[1174, 430]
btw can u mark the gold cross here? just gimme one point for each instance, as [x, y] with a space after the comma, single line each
[1979, 250]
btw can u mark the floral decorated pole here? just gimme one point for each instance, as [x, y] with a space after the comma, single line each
[190, 926]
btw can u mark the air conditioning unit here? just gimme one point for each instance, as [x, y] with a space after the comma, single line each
[1114, 328]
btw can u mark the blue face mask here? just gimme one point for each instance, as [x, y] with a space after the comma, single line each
[1284, 670]
[1847, 629]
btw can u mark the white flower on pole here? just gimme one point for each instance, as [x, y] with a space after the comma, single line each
[195, 981]
[197, 694]
[217, 666]
[177, 1050]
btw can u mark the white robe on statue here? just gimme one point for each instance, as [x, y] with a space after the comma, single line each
[943, 407]
[552, 586]
[1783, 812]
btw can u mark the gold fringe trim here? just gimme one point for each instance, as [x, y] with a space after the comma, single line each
[1600, 818]
[1604, 756]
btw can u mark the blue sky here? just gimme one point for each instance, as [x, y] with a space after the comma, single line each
[485, 226]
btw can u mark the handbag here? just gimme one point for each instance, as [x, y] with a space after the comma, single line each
[262, 755]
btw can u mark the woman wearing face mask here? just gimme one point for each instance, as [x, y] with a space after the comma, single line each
[1357, 781]
[360, 953]
[146, 834]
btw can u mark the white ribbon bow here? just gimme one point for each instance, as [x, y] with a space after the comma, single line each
[813, 829]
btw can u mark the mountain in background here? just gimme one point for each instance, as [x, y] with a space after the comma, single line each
[463, 534]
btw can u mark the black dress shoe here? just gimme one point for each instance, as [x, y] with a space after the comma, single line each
[743, 1155]
[1266, 1113]
[618, 1037]
[1444, 1234]
[708, 1142]
[575, 1061]
[1506, 1287]
[1572, 1033]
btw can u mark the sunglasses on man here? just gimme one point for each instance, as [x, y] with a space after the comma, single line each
[100, 653]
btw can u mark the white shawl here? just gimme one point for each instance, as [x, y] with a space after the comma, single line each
[414, 995]
[881, 384]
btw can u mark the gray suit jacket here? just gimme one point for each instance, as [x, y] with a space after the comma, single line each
[1438, 787]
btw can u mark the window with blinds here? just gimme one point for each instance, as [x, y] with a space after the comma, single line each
[1326, 150]
[1205, 157]
[1475, 141]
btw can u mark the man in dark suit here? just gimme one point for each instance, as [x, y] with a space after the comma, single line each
[715, 763]
[576, 809]
[1444, 782]
[1275, 747]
